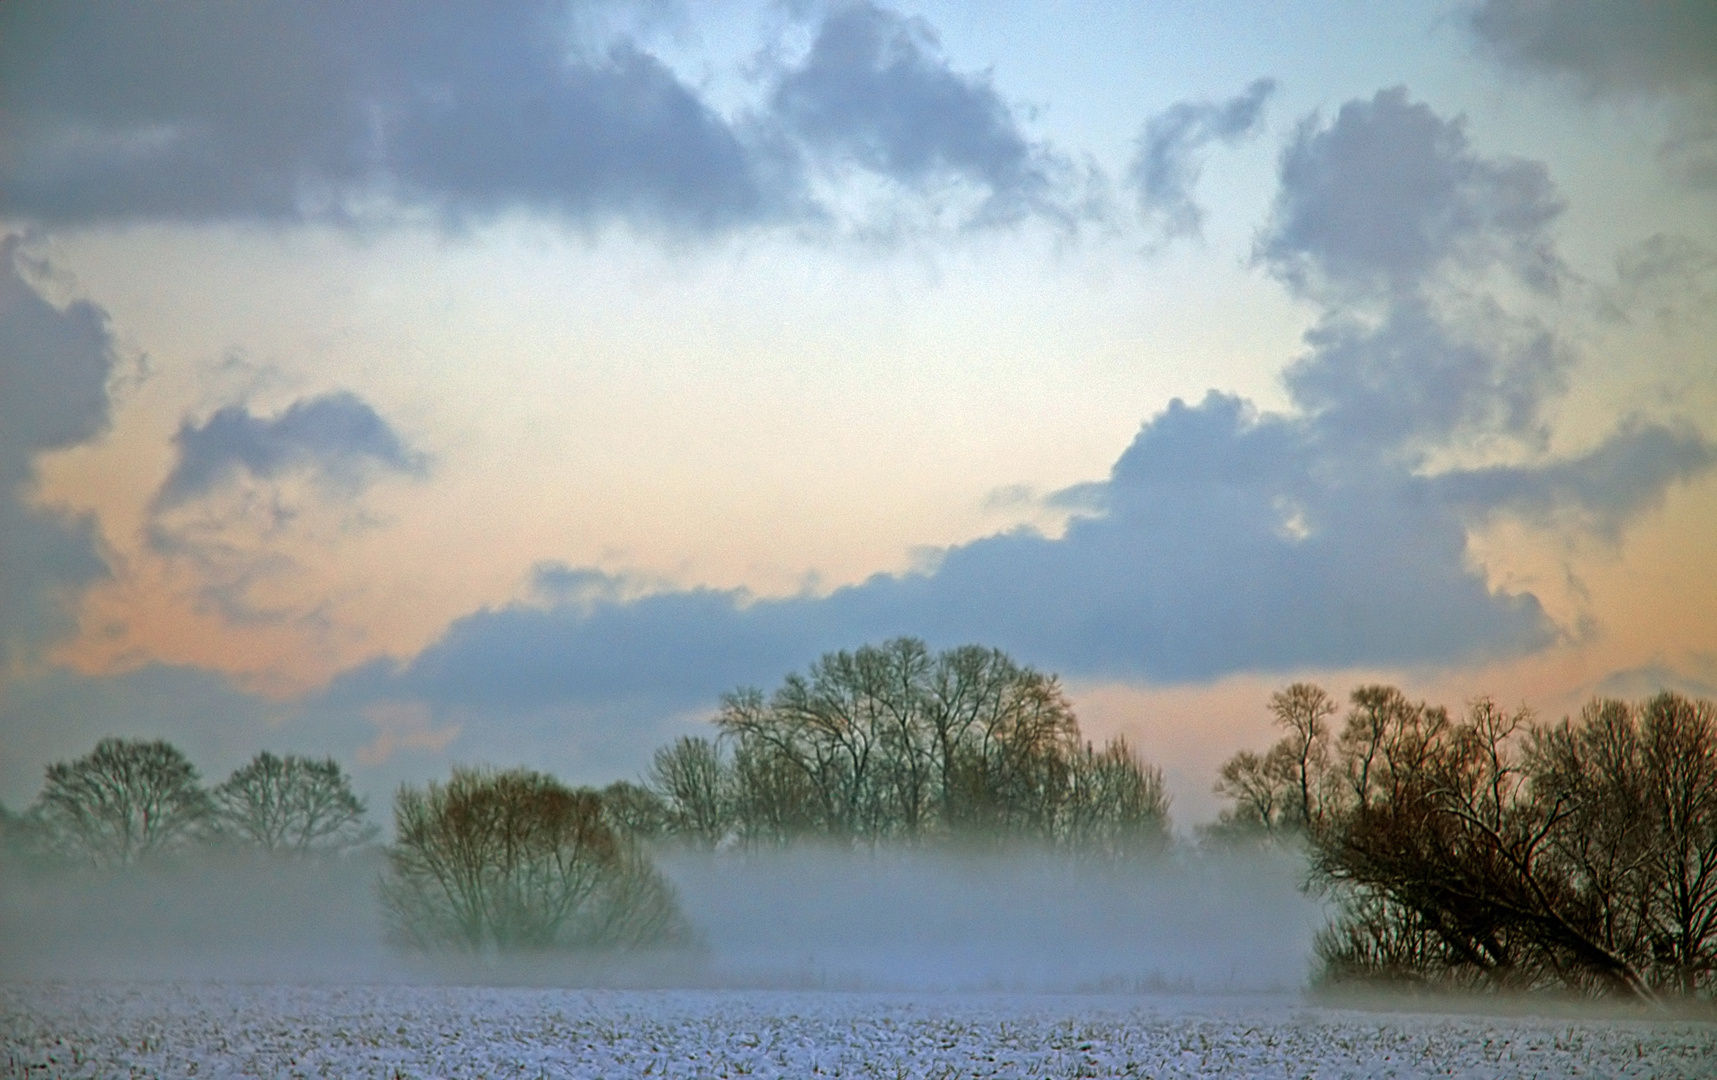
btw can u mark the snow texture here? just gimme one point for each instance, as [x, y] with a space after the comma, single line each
[278, 1030]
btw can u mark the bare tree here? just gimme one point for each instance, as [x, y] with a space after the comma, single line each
[516, 860]
[1116, 805]
[1305, 710]
[124, 801]
[1262, 790]
[1679, 754]
[1012, 771]
[1280, 794]
[1639, 784]
[1580, 856]
[690, 778]
[292, 804]
[892, 743]
[635, 811]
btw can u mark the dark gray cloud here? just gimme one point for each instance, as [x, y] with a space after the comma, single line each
[1171, 154]
[1607, 487]
[56, 714]
[337, 439]
[292, 111]
[1666, 48]
[1415, 378]
[348, 113]
[1223, 540]
[54, 369]
[876, 91]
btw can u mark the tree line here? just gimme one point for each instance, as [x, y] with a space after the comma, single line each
[1484, 850]
[132, 800]
[1492, 851]
[504, 860]
[884, 744]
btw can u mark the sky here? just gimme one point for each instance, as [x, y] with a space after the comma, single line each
[426, 385]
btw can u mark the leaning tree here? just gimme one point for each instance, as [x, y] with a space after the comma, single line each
[125, 800]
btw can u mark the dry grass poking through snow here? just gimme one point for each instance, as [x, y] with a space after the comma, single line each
[210, 1029]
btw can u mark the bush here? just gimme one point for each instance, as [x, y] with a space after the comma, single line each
[517, 861]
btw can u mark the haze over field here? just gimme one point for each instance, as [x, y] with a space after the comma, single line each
[806, 919]
[421, 386]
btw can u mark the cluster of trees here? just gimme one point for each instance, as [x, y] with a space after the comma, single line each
[489, 860]
[516, 861]
[130, 800]
[894, 743]
[1492, 851]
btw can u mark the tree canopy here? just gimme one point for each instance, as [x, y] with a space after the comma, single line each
[123, 801]
[291, 804]
[516, 860]
[1490, 850]
[893, 742]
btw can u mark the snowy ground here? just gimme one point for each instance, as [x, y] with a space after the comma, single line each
[104, 1029]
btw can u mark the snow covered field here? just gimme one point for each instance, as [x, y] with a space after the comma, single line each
[165, 1029]
[886, 965]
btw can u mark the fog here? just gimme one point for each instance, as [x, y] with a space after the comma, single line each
[209, 915]
[904, 920]
[803, 918]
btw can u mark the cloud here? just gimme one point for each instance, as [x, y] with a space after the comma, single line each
[1663, 49]
[1391, 192]
[1171, 154]
[56, 714]
[54, 369]
[1223, 540]
[1606, 488]
[371, 113]
[284, 111]
[1668, 46]
[1648, 680]
[1389, 220]
[248, 492]
[337, 439]
[1416, 377]
[875, 91]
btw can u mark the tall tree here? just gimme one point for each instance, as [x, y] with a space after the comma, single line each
[1304, 709]
[893, 742]
[292, 804]
[689, 776]
[125, 800]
